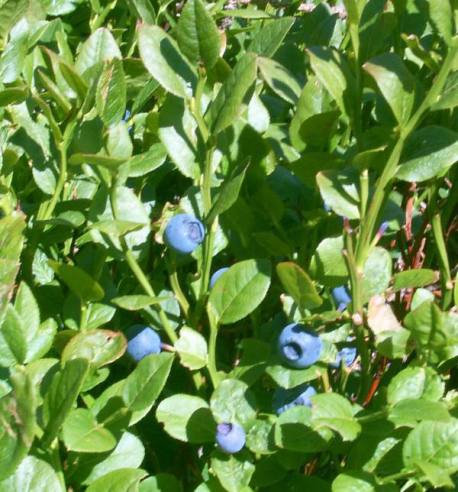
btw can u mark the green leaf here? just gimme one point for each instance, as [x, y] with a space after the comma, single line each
[99, 347]
[253, 361]
[355, 481]
[32, 475]
[415, 382]
[339, 191]
[294, 432]
[228, 194]
[228, 103]
[105, 161]
[233, 472]
[162, 482]
[144, 384]
[82, 433]
[11, 241]
[142, 164]
[12, 95]
[11, 11]
[317, 130]
[433, 442]
[434, 332]
[336, 412]
[395, 82]
[441, 15]
[449, 97]
[270, 36]
[232, 401]
[279, 79]
[110, 98]
[260, 437]
[78, 281]
[187, 418]
[333, 72]
[197, 34]
[61, 396]
[13, 342]
[240, 291]
[410, 279]
[121, 480]
[429, 152]
[165, 63]
[99, 47]
[436, 475]
[136, 302]
[246, 13]
[289, 378]
[116, 228]
[129, 453]
[177, 131]
[144, 10]
[192, 348]
[298, 285]
[408, 412]
[328, 263]
[377, 272]
[17, 415]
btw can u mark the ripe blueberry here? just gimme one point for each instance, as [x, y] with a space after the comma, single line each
[142, 341]
[341, 297]
[299, 347]
[184, 233]
[230, 437]
[217, 275]
[288, 398]
[347, 354]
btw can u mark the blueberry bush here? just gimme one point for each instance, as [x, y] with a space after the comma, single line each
[228, 249]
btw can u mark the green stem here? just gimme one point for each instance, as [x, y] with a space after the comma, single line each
[196, 109]
[138, 272]
[397, 476]
[176, 287]
[364, 192]
[373, 417]
[84, 316]
[381, 191]
[63, 146]
[212, 351]
[56, 462]
[382, 188]
[446, 275]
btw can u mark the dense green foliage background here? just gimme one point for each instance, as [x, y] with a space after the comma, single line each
[116, 115]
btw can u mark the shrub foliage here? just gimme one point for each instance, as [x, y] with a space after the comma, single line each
[315, 143]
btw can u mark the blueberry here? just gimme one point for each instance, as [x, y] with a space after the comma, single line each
[184, 233]
[298, 346]
[230, 437]
[217, 275]
[287, 398]
[341, 297]
[142, 341]
[347, 354]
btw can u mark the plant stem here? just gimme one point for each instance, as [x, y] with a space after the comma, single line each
[63, 146]
[382, 189]
[446, 276]
[379, 415]
[138, 272]
[176, 287]
[212, 351]
[397, 476]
